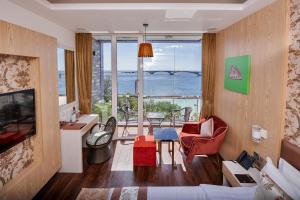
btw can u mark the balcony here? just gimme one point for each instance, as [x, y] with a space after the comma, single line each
[163, 104]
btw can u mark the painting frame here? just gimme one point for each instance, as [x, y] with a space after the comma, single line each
[237, 74]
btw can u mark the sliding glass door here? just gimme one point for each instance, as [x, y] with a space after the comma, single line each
[127, 87]
[130, 88]
[172, 80]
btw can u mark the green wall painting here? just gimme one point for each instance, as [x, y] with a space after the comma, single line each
[237, 74]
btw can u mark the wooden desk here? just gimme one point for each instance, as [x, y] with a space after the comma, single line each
[230, 168]
[72, 142]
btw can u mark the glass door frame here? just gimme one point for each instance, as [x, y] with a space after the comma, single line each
[140, 86]
[140, 74]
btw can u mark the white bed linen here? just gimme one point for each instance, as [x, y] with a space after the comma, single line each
[201, 192]
[280, 180]
[290, 173]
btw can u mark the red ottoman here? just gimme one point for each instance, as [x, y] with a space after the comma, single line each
[144, 151]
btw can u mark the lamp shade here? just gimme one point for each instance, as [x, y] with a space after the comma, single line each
[145, 50]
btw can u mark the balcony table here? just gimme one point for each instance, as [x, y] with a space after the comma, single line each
[155, 119]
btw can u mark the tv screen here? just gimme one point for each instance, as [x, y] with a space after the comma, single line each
[17, 117]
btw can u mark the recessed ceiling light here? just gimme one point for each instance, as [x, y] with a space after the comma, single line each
[79, 29]
[99, 32]
[178, 20]
[211, 29]
[176, 32]
[180, 14]
[126, 32]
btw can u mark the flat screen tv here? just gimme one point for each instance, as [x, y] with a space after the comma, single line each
[17, 117]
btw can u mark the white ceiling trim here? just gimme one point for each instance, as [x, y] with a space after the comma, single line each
[129, 19]
[145, 6]
[154, 32]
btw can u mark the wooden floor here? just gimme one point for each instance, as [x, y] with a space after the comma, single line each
[67, 186]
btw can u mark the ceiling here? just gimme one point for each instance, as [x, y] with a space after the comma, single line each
[163, 16]
[145, 1]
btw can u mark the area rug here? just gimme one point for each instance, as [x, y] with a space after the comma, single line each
[124, 193]
[123, 156]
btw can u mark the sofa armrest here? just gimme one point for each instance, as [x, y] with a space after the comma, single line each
[191, 127]
[205, 146]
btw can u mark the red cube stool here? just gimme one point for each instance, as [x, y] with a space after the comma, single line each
[144, 151]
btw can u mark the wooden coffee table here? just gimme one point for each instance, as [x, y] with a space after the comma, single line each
[166, 135]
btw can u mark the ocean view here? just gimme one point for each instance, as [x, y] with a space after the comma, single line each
[161, 83]
[158, 84]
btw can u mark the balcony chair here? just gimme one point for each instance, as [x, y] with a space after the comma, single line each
[192, 144]
[129, 116]
[180, 116]
[99, 141]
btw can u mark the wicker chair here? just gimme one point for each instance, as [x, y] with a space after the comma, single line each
[99, 141]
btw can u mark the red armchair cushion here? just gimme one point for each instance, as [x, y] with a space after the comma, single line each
[191, 127]
[144, 151]
[187, 138]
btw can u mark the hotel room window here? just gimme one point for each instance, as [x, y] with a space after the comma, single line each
[102, 80]
[172, 78]
[61, 76]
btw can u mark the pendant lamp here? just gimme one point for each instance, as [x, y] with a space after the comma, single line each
[145, 48]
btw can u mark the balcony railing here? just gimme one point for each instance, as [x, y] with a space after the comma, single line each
[163, 104]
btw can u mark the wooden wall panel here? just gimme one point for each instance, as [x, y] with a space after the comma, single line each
[264, 36]
[15, 40]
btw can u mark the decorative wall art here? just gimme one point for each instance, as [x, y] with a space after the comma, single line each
[237, 74]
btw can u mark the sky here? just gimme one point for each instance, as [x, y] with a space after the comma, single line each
[167, 56]
[61, 59]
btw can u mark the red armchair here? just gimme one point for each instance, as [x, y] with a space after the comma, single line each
[192, 144]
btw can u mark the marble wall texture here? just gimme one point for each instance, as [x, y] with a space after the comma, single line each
[292, 127]
[15, 75]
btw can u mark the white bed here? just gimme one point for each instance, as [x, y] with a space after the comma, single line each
[201, 192]
[282, 183]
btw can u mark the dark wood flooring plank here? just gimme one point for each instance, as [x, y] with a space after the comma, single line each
[67, 186]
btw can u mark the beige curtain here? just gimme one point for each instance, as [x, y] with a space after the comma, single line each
[208, 73]
[84, 71]
[70, 75]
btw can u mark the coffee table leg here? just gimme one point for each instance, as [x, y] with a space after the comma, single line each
[173, 163]
[159, 144]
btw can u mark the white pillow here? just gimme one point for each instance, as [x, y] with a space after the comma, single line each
[280, 180]
[207, 128]
[289, 172]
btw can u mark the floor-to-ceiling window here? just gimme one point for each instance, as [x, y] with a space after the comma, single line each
[172, 79]
[169, 81]
[127, 76]
[102, 79]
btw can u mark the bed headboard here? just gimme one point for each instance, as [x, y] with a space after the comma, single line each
[290, 153]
